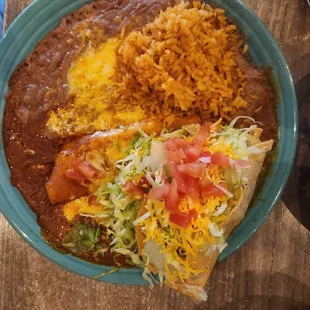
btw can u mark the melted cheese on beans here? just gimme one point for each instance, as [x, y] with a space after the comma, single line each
[90, 79]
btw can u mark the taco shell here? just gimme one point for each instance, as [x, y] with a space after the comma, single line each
[194, 285]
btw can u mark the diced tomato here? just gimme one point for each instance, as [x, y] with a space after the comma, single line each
[132, 189]
[175, 174]
[181, 183]
[87, 169]
[183, 219]
[193, 169]
[192, 153]
[170, 145]
[173, 200]
[75, 175]
[208, 190]
[192, 187]
[206, 154]
[159, 193]
[76, 163]
[175, 144]
[220, 159]
[176, 156]
[205, 183]
[144, 183]
[181, 149]
[172, 168]
[243, 163]
[203, 134]
[186, 183]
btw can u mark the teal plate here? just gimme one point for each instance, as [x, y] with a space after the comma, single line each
[42, 16]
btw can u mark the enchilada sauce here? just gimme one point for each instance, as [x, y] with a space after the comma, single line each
[39, 85]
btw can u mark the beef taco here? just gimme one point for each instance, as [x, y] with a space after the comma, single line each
[183, 226]
[173, 198]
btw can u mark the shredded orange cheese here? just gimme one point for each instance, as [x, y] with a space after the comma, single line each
[81, 206]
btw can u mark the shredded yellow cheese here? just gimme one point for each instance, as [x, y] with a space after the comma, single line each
[181, 245]
[222, 146]
[81, 206]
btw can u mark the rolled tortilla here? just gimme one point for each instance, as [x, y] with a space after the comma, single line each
[95, 149]
[194, 285]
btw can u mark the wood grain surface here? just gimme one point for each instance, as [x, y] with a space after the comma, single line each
[272, 271]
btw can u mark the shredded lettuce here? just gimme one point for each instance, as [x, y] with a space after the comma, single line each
[81, 238]
[215, 231]
[138, 161]
[221, 209]
[234, 121]
[186, 131]
[197, 291]
[133, 256]
[119, 215]
[141, 218]
[106, 273]
[240, 139]
[147, 274]
[152, 251]
[223, 247]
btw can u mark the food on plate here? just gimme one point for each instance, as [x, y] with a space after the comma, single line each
[171, 199]
[132, 107]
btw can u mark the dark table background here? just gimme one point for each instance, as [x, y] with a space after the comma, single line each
[272, 271]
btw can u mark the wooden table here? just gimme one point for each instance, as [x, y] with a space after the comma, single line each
[272, 271]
